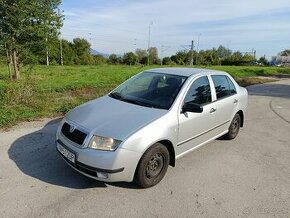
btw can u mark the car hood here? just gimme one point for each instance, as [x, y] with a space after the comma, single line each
[110, 117]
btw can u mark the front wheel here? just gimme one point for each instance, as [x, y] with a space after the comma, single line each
[152, 166]
[234, 127]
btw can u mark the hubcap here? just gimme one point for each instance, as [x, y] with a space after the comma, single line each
[235, 125]
[154, 166]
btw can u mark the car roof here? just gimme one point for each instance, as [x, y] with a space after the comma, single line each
[184, 71]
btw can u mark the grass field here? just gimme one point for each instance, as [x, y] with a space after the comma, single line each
[51, 91]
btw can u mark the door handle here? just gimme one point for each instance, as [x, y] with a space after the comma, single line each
[235, 101]
[212, 110]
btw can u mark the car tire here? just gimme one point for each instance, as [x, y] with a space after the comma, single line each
[152, 166]
[234, 128]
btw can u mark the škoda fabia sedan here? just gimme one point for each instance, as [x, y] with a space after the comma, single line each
[149, 121]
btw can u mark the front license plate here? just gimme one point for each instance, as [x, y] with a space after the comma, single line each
[66, 153]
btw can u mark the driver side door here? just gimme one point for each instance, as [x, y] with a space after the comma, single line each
[195, 128]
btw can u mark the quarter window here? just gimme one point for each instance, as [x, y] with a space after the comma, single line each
[223, 86]
[232, 87]
[199, 92]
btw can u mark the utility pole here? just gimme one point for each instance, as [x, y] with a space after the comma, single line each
[148, 57]
[197, 47]
[254, 53]
[191, 53]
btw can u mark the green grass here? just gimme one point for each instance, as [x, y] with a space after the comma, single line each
[51, 91]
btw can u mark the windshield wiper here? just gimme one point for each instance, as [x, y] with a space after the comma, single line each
[116, 95]
[134, 101]
[120, 97]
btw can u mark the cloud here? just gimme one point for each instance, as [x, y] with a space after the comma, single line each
[115, 26]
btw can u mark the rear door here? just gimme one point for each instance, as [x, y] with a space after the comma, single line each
[226, 101]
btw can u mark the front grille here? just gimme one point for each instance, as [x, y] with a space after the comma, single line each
[76, 135]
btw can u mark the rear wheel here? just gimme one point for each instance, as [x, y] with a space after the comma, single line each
[152, 166]
[234, 127]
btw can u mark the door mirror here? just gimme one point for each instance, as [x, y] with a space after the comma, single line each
[191, 107]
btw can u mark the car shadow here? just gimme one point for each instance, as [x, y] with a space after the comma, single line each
[36, 156]
[270, 89]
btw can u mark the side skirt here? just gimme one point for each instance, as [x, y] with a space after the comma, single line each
[201, 144]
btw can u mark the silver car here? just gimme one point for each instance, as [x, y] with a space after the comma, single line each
[149, 121]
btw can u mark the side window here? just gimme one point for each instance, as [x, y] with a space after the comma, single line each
[223, 86]
[232, 87]
[199, 92]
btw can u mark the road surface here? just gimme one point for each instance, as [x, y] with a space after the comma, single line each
[246, 177]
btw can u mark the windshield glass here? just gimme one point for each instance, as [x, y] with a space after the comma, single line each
[149, 89]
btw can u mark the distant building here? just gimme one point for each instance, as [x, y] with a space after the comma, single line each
[281, 60]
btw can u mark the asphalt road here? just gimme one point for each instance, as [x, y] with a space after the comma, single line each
[246, 177]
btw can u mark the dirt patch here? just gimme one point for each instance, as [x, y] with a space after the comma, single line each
[248, 81]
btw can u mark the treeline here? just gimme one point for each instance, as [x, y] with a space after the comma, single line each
[214, 56]
[78, 52]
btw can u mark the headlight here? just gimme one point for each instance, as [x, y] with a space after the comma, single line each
[103, 143]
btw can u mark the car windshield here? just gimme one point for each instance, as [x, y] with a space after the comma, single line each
[156, 90]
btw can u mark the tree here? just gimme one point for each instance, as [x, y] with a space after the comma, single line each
[173, 58]
[130, 58]
[141, 55]
[82, 50]
[208, 57]
[263, 61]
[153, 55]
[168, 61]
[113, 59]
[26, 24]
[69, 54]
[237, 56]
[248, 59]
[99, 59]
[189, 56]
[181, 57]
[223, 52]
[286, 52]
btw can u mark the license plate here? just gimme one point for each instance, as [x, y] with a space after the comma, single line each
[66, 153]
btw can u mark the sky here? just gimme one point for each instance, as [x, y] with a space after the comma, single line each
[119, 26]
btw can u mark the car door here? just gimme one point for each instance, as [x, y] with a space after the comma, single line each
[226, 101]
[194, 128]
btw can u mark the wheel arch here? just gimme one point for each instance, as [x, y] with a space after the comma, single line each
[168, 144]
[241, 113]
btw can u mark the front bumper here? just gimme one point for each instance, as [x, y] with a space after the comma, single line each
[119, 165]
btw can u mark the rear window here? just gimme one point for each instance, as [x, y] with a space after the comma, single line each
[223, 86]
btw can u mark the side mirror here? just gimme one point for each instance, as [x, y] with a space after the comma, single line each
[191, 107]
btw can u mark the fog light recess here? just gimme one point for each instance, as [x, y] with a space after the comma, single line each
[102, 175]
